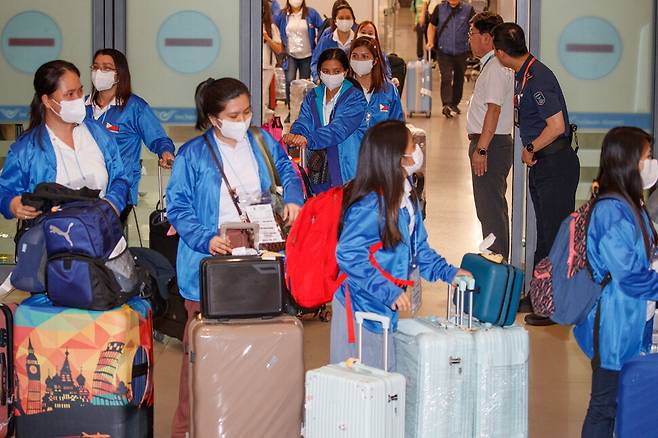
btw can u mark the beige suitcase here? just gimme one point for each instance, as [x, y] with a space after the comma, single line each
[246, 378]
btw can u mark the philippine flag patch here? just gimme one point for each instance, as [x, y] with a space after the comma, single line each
[383, 108]
[112, 128]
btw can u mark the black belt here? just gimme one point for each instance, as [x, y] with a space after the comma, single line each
[553, 148]
[477, 136]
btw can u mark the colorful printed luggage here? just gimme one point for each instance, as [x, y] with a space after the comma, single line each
[7, 369]
[462, 382]
[499, 289]
[82, 372]
[246, 378]
[637, 398]
[352, 400]
[419, 88]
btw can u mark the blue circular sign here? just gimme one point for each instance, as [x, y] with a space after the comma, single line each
[590, 48]
[30, 39]
[188, 42]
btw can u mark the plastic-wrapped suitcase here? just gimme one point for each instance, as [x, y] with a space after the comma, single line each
[637, 398]
[419, 137]
[463, 388]
[7, 369]
[298, 90]
[83, 372]
[419, 87]
[352, 400]
[246, 378]
[280, 83]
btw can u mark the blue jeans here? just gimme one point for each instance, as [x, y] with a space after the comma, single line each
[600, 419]
[302, 65]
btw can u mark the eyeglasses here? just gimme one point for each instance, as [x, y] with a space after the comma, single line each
[471, 33]
[103, 68]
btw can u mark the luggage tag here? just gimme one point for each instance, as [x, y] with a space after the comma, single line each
[262, 213]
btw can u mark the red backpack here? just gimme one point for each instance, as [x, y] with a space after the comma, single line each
[312, 272]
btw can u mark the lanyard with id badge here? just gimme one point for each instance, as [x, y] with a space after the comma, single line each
[416, 288]
[518, 95]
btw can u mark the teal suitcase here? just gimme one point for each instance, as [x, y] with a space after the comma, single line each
[498, 292]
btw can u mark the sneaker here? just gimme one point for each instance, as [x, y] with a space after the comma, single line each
[525, 306]
[538, 320]
[455, 109]
[447, 112]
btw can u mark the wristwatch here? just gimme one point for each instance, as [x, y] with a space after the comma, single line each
[530, 147]
[482, 151]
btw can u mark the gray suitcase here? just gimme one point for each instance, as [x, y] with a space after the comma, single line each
[419, 88]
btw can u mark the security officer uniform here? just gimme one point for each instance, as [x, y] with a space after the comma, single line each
[554, 177]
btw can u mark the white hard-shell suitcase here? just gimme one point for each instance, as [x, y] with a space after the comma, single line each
[352, 400]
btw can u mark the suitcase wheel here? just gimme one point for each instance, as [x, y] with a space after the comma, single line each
[410, 115]
[429, 114]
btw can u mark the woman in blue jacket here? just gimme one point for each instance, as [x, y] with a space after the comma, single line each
[61, 145]
[198, 201]
[298, 25]
[331, 124]
[621, 242]
[382, 215]
[368, 29]
[340, 35]
[126, 116]
[366, 67]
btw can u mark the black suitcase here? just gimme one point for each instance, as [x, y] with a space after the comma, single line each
[241, 287]
[398, 70]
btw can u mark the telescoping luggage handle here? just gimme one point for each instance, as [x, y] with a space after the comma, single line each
[163, 201]
[385, 322]
[462, 288]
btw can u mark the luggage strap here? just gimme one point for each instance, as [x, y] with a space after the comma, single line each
[399, 282]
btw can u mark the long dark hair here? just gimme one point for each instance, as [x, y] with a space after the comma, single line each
[304, 8]
[622, 150]
[338, 5]
[267, 17]
[378, 77]
[124, 87]
[212, 95]
[380, 171]
[46, 81]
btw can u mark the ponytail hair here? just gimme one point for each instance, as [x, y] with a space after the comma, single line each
[46, 81]
[212, 95]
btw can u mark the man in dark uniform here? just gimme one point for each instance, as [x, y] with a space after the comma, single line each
[541, 115]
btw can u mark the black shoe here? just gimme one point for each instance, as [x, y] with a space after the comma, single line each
[455, 109]
[446, 111]
[537, 320]
[525, 306]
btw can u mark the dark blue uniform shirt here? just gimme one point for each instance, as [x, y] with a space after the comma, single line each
[540, 99]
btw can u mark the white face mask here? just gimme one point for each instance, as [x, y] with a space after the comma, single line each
[71, 111]
[344, 25]
[649, 173]
[332, 81]
[417, 156]
[103, 80]
[296, 3]
[359, 35]
[235, 130]
[362, 68]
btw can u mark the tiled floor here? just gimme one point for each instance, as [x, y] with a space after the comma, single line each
[559, 372]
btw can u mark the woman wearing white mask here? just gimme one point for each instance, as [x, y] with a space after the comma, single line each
[621, 247]
[199, 201]
[127, 117]
[331, 124]
[61, 145]
[368, 29]
[340, 34]
[366, 68]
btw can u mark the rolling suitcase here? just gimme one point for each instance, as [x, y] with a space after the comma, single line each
[246, 378]
[499, 289]
[82, 372]
[298, 90]
[7, 369]
[419, 87]
[637, 399]
[419, 137]
[352, 400]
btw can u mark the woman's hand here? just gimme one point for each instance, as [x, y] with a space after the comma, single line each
[219, 246]
[290, 213]
[21, 211]
[462, 274]
[166, 160]
[403, 303]
[295, 140]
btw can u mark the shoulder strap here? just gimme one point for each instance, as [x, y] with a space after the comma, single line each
[234, 196]
[445, 24]
[269, 161]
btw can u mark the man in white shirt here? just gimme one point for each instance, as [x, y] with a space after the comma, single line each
[489, 122]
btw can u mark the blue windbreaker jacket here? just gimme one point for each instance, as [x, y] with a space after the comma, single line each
[314, 21]
[384, 105]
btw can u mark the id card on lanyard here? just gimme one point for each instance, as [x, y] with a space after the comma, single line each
[414, 275]
[518, 94]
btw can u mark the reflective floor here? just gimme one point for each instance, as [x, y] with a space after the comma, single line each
[559, 372]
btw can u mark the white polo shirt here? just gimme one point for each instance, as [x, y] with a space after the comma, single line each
[347, 44]
[494, 85]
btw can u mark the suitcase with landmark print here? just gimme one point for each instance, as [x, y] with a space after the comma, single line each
[81, 372]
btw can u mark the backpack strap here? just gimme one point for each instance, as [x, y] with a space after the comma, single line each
[231, 191]
[275, 180]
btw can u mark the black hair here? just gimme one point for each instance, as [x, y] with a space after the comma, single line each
[212, 95]
[338, 5]
[333, 53]
[124, 87]
[46, 81]
[380, 170]
[509, 38]
[485, 22]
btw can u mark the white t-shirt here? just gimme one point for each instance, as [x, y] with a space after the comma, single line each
[81, 166]
[98, 111]
[347, 44]
[494, 85]
[269, 58]
[409, 205]
[241, 169]
[328, 107]
[299, 45]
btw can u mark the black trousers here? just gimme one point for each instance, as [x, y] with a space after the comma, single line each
[489, 191]
[553, 184]
[600, 418]
[452, 69]
[421, 40]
